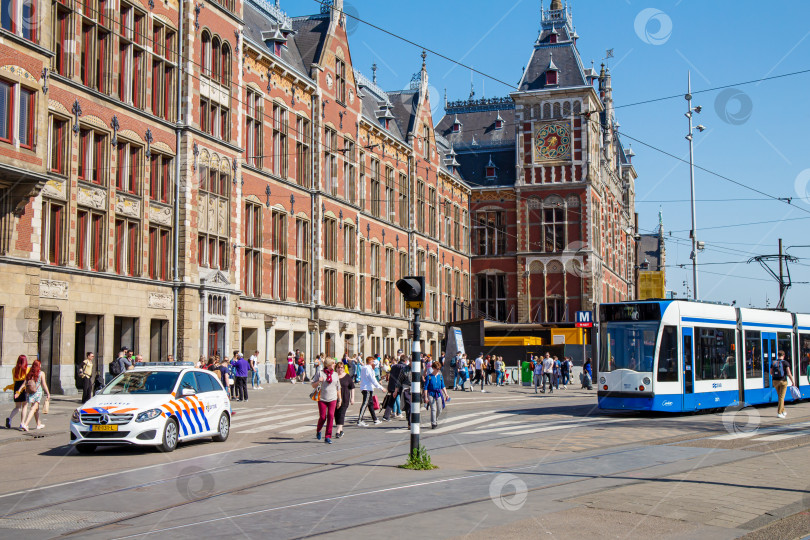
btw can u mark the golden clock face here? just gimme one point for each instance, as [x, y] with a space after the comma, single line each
[552, 142]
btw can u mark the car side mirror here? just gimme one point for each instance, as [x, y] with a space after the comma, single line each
[188, 392]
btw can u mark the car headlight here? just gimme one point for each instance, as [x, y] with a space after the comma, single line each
[145, 416]
[602, 380]
[77, 417]
[646, 381]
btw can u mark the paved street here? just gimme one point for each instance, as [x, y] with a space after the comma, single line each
[511, 464]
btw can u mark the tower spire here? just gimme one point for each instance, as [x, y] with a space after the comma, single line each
[556, 5]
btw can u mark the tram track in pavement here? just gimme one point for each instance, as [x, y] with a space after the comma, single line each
[372, 448]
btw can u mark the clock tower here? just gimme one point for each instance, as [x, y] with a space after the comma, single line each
[554, 226]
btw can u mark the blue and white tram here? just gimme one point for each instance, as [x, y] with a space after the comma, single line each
[678, 356]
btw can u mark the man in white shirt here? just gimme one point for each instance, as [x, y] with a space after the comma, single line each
[255, 380]
[479, 373]
[548, 372]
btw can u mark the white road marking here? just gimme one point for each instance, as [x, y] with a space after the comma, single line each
[256, 424]
[760, 431]
[302, 429]
[510, 432]
[275, 426]
[535, 425]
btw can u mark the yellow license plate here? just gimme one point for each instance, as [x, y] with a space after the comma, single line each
[105, 428]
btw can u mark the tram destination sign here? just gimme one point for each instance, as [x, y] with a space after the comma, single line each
[629, 312]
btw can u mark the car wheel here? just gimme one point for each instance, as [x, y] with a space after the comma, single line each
[85, 448]
[224, 427]
[170, 435]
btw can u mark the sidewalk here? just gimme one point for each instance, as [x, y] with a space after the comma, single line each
[56, 421]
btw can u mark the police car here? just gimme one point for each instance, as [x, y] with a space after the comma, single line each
[155, 404]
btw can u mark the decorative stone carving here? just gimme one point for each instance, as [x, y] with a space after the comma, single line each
[222, 228]
[127, 207]
[55, 189]
[220, 278]
[161, 215]
[212, 214]
[202, 213]
[92, 197]
[160, 300]
[49, 288]
[251, 315]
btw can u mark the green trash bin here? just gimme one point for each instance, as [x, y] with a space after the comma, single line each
[526, 373]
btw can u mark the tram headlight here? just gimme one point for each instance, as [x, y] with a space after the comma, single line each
[646, 380]
[641, 388]
[601, 380]
[604, 387]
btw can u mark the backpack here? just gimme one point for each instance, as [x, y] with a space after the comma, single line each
[115, 367]
[778, 370]
[30, 386]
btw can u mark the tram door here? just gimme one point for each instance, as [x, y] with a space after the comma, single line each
[768, 356]
[688, 372]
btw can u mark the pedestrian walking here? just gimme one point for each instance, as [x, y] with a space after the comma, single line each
[368, 383]
[499, 371]
[317, 364]
[557, 373]
[33, 387]
[537, 369]
[399, 387]
[18, 374]
[564, 371]
[86, 377]
[255, 380]
[435, 393]
[346, 399]
[328, 383]
[479, 375]
[240, 370]
[780, 372]
[548, 372]
[290, 375]
[587, 375]
[300, 370]
[463, 373]
[224, 374]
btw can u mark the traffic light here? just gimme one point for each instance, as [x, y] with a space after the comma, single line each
[413, 290]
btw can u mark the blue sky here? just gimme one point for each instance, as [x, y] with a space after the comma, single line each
[756, 134]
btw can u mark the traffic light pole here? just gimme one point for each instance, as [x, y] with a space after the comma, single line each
[416, 383]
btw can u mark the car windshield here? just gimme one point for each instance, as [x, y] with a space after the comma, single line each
[142, 382]
[628, 346]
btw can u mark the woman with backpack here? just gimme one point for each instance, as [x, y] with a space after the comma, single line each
[34, 383]
[435, 393]
[18, 376]
[327, 384]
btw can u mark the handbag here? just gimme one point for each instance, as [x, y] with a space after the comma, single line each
[386, 402]
[46, 407]
[375, 403]
[796, 393]
[316, 394]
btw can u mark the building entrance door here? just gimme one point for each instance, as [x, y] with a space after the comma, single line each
[50, 331]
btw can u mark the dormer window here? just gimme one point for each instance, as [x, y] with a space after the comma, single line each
[387, 123]
[552, 38]
[499, 122]
[551, 77]
[491, 170]
[277, 48]
[551, 72]
[456, 125]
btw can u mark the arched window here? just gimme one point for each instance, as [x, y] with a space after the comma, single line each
[215, 60]
[205, 59]
[226, 64]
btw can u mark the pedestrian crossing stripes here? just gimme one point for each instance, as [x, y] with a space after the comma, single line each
[289, 421]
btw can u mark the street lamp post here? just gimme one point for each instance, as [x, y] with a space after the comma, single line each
[689, 137]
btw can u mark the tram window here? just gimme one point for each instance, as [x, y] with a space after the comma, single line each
[714, 354]
[668, 355]
[804, 357]
[785, 344]
[753, 354]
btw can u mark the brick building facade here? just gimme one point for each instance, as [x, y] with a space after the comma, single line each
[554, 228]
[200, 178]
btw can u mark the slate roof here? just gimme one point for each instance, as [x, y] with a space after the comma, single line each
[404, 108]
[373, 98]
[477, 123]
[310, 37]
[566, 58]
[474, 163]
[258, 20]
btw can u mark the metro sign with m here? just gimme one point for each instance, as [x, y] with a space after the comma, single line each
[584, 319]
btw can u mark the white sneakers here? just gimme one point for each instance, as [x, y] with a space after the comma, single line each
[362, 424]
[378, 421]
[781, 415]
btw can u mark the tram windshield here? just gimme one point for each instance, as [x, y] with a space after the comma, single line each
[628, 346]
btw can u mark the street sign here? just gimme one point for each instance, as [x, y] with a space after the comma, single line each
[584, 319]
[415, 305]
